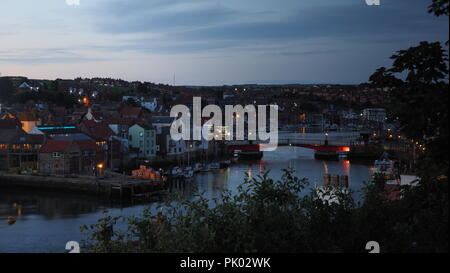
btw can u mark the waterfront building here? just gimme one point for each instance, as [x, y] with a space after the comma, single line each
[142, 138]
[70, 157]
[18, 150]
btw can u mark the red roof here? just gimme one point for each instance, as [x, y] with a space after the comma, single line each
[27, 116]
[131, 111]
[87, 145]
[98, 130]
[52, 146]
[120, 121]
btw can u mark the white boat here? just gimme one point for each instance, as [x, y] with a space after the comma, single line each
[214, 166]
[177, 171]
[198, 167]
[188, 174]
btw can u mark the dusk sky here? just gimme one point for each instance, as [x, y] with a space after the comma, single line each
[209, 42]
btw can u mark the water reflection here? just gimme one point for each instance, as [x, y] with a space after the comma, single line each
[47, 220]
[49, 205]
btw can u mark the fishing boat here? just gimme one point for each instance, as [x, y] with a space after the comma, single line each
[386, 169]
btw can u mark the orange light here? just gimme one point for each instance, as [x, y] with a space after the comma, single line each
[100, 166]
[346, 149]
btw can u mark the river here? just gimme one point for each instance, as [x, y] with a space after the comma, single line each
[47, 220]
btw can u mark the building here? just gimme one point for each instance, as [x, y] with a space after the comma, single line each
[26, 87]
[160, 122]
[60, 133]
[70, 157]
[29, 121]
[169, 149]
[18, 150]
[374, 114]
[142, 138]
[131, 113]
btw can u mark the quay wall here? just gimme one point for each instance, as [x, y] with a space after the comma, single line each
[79, 185]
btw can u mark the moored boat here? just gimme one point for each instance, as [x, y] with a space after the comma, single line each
[214, 166]
[11, 220]
[387, 170]
[225, 164]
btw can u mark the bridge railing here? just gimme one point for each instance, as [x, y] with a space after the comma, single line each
[334, 139]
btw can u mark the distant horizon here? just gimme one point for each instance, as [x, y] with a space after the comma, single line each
[281, 83]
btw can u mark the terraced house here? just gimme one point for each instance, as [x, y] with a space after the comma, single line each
[142, 139]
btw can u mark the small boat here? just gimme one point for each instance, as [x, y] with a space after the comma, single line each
[225, 164]
[214, 166]
[205, 169]
[177, 171]
[198, 167]
[250, 154]
[11, 220]
[188, 174]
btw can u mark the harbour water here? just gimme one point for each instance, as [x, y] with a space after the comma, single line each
[47, 220]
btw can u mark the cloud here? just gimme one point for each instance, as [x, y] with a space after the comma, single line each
[73, 2]
[198, 25]
[158, 16]
[44, 56]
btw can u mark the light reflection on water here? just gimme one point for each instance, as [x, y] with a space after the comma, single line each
[47, 220]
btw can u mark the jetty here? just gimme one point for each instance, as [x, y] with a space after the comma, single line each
[113, 186]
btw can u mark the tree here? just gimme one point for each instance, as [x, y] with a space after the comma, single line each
[439, 7]
[267, 216]
[6, 89]
[420, 100]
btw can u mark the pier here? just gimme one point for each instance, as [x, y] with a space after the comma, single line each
[114, 187]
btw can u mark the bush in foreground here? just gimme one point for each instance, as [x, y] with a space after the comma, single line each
[275, 216]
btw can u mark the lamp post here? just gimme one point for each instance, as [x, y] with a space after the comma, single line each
[326, 138]
[100, 169]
